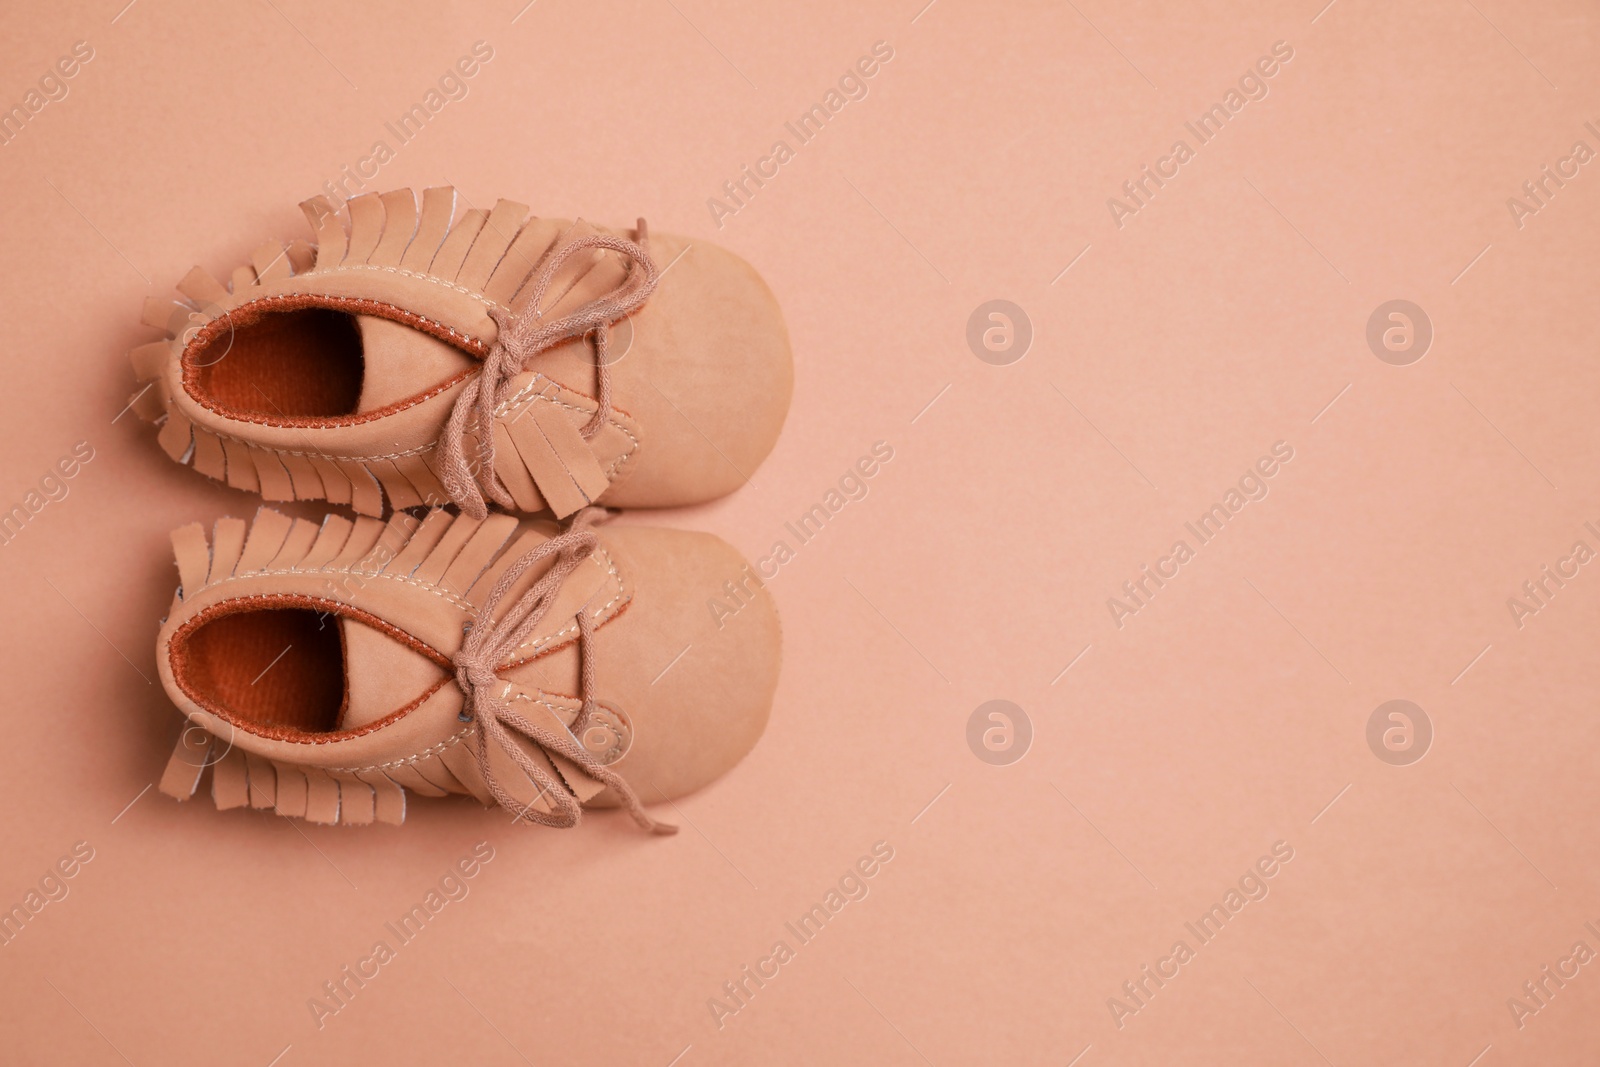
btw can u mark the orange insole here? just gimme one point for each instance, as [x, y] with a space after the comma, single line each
[281, 667]
[305, 363]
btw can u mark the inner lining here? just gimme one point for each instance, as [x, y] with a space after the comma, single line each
[279, 667]
[304, 363]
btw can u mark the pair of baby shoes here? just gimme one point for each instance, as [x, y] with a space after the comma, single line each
[454, 369]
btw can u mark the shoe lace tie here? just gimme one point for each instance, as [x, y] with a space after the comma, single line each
[490, 642]
[521, 337]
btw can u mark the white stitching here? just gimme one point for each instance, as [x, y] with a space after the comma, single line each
[427, 587]
[420, 277]
[503, 407]
[430, 446]
[449, 742]
[452, 331]
[530, 698]
[611, 569]
[516, 398]
[616, 464]
[521, 394]
[460, 735]
[464, 605]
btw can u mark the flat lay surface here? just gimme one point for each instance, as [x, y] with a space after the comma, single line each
[1182, 536]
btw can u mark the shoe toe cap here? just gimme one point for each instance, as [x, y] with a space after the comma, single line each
[710, 381]
[693, 661]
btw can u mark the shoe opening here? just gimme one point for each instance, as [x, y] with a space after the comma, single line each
[303, 668]
[297, 364]
[281, 669]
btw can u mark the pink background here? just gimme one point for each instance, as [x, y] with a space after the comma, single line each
[1228, 714]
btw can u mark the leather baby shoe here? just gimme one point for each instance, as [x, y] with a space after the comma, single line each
[326, 669]
[536, 363]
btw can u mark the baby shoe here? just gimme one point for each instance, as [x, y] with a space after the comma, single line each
[535, 363]
[325, 669]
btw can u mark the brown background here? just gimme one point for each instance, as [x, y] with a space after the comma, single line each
[1225, 716]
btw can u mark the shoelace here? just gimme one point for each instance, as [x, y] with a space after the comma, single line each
[490, 642]
[521, 337]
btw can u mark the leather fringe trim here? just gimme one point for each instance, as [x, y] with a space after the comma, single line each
[486, 255]
[443, 550]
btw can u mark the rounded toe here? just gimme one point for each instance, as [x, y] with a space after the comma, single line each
[692, 662]
[709, 381]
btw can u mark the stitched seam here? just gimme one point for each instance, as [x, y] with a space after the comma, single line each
[468, 342]
[516, 398]
[616, 464]
[417, 451]
[178, 652]
[427, 587]
[530, 698]
[450, 742]
[406, 315]
[572, 628]
[464, 605]
[575, 706]
[292, 301]
[433, 279]
[611, 569]
[503, 412]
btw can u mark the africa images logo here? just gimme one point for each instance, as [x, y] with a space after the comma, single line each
[1252, 85]
[738, 191]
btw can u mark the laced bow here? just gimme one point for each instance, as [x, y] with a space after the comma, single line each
[490, 643]
[521, 336]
